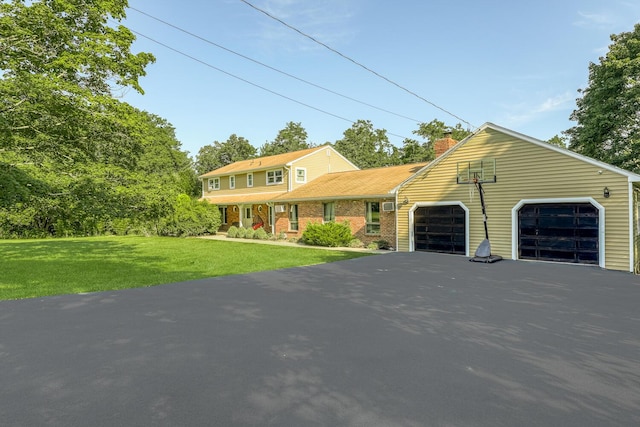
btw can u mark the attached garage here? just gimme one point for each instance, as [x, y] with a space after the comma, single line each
[559, 232]
[440, 228]
[543, 203]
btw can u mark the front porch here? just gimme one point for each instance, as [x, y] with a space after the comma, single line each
[247, 216]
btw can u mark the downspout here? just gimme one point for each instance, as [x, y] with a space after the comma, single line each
[396, 225]
[632, 240]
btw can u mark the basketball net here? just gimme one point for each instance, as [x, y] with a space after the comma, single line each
[472, 189]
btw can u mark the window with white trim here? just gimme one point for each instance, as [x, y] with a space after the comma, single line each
[373, 218]
[301, 175]
[214, 184]
[329, 212]
[250, 180]
[293, 217]
[232, 182]
[275, 177]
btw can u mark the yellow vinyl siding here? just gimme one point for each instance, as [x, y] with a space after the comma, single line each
[524, 171]
[319, 163]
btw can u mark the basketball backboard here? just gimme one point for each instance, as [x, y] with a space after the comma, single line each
[476, 171]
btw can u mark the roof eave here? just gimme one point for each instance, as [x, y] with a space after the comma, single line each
[347, 197]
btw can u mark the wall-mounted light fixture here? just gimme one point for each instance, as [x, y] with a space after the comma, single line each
[405, 201]
[606, 193]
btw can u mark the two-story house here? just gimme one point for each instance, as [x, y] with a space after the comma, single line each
[244, 191]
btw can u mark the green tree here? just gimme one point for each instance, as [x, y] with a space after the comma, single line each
[367, 147]
[413, 151]
[558, 140]
[292, 138]
[219, 154]
[608, 113]
[436, 129]
[59, 61]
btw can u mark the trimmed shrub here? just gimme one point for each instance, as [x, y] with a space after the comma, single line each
[382, 244]
[249, 233]
[241, 232]
[232, 231]
[331, 234]
[261, 234]
[356, 243]
[373, 246]
[282, 235]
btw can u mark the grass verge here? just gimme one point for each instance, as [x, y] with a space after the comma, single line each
[35, 268]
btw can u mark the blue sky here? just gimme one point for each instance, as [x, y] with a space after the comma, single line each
[516, 64]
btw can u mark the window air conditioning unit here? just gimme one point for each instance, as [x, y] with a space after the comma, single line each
[388, 207]
[280, 209]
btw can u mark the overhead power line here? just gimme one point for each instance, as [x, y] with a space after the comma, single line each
[255, 61]
[354, 61]
[250, 82]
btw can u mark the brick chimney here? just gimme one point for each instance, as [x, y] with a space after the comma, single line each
[442, 145]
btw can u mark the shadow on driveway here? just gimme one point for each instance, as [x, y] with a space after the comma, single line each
[405, 339]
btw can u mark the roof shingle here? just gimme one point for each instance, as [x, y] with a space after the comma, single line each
[360, 183]
[261, 162]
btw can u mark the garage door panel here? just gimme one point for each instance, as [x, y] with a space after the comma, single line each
[440, 229]
[564, 232]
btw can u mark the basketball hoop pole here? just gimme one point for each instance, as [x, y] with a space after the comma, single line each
[484, 210]
[483, 253]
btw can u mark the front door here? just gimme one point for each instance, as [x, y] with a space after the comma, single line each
[247, 217]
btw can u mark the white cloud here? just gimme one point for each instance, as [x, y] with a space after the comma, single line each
[524, 113]
[595, 20]
[555, 103]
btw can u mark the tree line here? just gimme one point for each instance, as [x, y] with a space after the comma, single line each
[362, 144]
[75, 160]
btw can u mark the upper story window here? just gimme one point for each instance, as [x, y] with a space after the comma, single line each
[250, 179]
[301, 175]
[232, 182]
[274, 177]
[214, 184]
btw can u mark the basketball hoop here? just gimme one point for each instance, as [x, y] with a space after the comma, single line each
[478, 172]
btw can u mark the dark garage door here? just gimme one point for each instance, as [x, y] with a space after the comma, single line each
[563, 232]
[440, 229]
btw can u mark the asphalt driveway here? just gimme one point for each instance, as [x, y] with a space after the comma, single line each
[402, 339]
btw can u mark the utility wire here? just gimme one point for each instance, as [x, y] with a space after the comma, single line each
[355, 62]
[249, 82]
[270, 67]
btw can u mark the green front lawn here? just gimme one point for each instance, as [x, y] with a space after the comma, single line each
[35, 268]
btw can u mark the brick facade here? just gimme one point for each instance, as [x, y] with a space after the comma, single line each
[353, 211]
